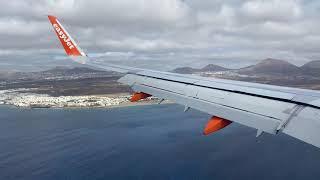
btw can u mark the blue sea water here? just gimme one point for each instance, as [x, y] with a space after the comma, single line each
[143, 142]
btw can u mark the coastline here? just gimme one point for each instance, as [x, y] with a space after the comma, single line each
[20, 98]
[122, 105]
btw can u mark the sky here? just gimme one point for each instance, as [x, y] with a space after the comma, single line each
[160, 34]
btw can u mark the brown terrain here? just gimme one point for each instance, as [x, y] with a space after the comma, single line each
[85, 81]
[63, 81]
[268, 71]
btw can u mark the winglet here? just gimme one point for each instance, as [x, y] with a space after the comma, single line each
[69, 45]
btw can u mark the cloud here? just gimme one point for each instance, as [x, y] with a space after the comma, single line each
[120, 12]
[272, 10]
[18, 27]
[164, 34]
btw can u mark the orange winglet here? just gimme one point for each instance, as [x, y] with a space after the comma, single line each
[67, 42]
[215, 124]
[138, 96]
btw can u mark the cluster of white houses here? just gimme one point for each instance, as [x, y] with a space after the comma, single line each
[20, 99]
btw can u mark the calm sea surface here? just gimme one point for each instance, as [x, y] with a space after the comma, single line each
[144, 142]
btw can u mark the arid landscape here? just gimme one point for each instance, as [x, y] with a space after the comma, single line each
[85, 87]
[268, 71]
[62, 81]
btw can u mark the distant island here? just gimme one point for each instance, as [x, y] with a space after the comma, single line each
[267, 71]
[266, 67]
[86, 87]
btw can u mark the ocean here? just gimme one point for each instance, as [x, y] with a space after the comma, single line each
[143, 142]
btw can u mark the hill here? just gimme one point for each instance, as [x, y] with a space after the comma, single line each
[271, 67]
[213, 68]
[311, 68]
[267, 67]
[207, 68]
[185, 70]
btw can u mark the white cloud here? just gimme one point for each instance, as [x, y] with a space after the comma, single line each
[10, 26]
[272, 10]
[169, 32]
[129, 12]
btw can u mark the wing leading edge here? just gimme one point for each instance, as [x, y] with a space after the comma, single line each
[267, 108]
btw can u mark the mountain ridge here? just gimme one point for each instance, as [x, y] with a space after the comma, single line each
[272, 67]
[207, 68]
[267, 66]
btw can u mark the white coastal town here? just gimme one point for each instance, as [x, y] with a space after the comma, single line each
[21, 98]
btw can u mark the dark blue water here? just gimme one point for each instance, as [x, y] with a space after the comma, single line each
[146, 142]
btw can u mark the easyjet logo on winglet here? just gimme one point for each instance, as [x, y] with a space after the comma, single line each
[63, 36]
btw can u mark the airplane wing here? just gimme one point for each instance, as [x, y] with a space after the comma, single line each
[267, 108]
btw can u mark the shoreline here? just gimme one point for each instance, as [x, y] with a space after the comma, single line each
[20, 98]
[122, 105]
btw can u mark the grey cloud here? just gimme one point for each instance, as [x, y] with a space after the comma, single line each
[163, 34]
[272, 10]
